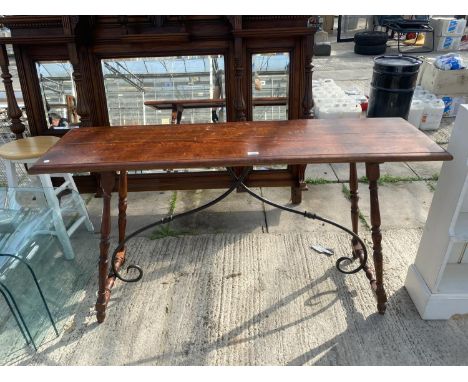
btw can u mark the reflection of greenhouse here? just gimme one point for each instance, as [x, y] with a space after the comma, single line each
[131, 82]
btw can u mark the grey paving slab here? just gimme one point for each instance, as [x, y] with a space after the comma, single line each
[402, 204]
[326, 200]
[426, 170]
[254, 299]
[142, 208]
[396, 169]
[362, 85]
[320, 171]
[239, 213]
[442, 135]
[343, 74]
[342, 171]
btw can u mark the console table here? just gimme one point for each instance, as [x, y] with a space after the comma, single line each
[238, 144]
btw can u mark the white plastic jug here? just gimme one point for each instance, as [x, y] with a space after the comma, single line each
[419, 94]
[416, 112]
[429, 97]
[432, 114]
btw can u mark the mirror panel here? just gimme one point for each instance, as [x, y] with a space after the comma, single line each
[58, 94]
[270, 86]
[164, 90]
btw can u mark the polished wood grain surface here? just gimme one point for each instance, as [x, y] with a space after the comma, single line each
[239, 144]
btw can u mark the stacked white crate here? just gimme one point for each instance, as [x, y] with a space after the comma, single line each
[330, 101]
[449, 85]
[426, 110]
[447, 33]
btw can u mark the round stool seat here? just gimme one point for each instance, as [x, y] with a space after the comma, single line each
[27, 148]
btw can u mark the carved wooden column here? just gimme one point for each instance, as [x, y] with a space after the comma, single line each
[239, 73]
[14, 112]
[307, 105]
[82, 107]
[239, 70]
[308, 101]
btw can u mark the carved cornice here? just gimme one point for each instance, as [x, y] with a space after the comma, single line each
[275, 17]
[273, 33]
[27, 22]
[42, 40]
[162, 37]
[157, 21]
[235, 21]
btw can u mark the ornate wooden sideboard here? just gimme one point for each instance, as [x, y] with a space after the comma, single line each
[86, 40]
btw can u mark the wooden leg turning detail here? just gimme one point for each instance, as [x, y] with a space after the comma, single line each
[120, 258]
[107, 184]
[373, 173]
[354, 196]
[122, 222]
[298, 172]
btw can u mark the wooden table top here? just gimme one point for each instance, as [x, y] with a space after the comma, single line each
[202, 103]
[247, 143]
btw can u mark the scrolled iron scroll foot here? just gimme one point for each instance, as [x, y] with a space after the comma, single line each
[115, 272]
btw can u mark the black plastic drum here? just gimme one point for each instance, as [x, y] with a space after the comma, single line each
[392, 86]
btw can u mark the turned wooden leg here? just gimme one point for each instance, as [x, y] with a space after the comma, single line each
[354, 196]
[180, 110]
[298, 172]
[120, 258]
[373, 173]
[174, 114]
[107, 184]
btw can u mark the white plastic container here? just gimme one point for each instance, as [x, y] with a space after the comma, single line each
[432, 114]
[429, 97]
[330, 101]
[416, 112]
[419, 94]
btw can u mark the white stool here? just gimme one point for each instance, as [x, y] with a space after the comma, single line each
[29, 150]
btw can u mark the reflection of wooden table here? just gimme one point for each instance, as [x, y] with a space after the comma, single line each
[178, 106]
[119, 149]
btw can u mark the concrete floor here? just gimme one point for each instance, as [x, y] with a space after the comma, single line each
[261, 308]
